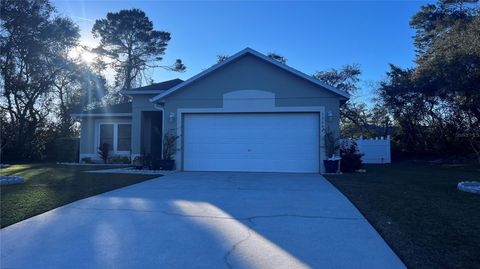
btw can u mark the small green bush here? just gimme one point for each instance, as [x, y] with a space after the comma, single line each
[117, 159]
[104, 152]
[351, 157]
[139, 162]
[87, 160]
[66, 149]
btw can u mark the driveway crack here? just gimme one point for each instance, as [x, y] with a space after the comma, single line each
[249, 219]
[299, 216]
[235, 246]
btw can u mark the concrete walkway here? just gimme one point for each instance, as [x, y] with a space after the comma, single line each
[203, 220]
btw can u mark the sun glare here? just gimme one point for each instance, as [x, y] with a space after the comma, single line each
[83, 55]
[82, 52]
[87, 57]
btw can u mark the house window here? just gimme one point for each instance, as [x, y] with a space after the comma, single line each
[124, 142]
[106, 135]
[117, 135]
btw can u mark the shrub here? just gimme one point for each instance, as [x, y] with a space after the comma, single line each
[351, 157]
[118, 159]
[66, 149]
[104, 152]
[169, 146]
[139, 162]
[87, 160]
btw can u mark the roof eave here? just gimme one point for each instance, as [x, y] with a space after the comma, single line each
[133, 92]
[78, 115]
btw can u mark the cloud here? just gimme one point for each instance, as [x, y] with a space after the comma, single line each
[83, 19]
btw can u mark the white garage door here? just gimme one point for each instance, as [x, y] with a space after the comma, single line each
[253, 142]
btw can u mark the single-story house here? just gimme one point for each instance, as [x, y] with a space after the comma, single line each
[246, 113]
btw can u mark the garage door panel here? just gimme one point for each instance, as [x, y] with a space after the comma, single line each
[270, 142]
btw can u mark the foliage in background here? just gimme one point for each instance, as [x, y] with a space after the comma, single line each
[356, 119]
[435, 105]
[222, 57]
[277, 57]
[67, 149]
[44, 82]
[130, 46]
[36, 74]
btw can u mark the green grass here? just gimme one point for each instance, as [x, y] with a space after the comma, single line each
[419, 212]
[48, 186]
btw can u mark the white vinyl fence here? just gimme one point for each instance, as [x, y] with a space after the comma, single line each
[375, 150]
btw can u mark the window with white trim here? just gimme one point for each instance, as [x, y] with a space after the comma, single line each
[117, 135]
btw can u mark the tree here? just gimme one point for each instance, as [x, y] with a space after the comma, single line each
[222, 57]
[447, 73]
[31, 38]
[354, 116]
[435, 103]
[380, 117]
[433, 21]
[130, 45]
[400, 96]
[76, 86]
[277, 57]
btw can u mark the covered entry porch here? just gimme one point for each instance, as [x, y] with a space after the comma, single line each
[149, 131]
[152, 134]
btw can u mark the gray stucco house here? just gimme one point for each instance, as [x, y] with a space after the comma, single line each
[247, 113]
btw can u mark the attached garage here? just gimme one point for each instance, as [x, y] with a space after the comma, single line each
[250, 113]
[253, 142]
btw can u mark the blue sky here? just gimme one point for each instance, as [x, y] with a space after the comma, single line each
[311, 35]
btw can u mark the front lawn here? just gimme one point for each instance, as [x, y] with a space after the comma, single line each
[419, 212]
[48, 186]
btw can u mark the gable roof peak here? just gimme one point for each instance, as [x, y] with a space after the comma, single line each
[259, 55]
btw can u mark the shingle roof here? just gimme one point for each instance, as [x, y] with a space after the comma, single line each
[126, 108]
[120, 109]
[155, 87]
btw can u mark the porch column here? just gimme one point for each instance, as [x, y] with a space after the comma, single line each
[136, 132]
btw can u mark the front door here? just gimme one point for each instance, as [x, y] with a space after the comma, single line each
[152, 133]
[156, 140]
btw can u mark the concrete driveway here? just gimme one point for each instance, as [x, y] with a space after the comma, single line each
[203, 220]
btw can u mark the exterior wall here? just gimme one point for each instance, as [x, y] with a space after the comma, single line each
[88, 147]
[87, 136]
[140, 103]
[251, 73]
